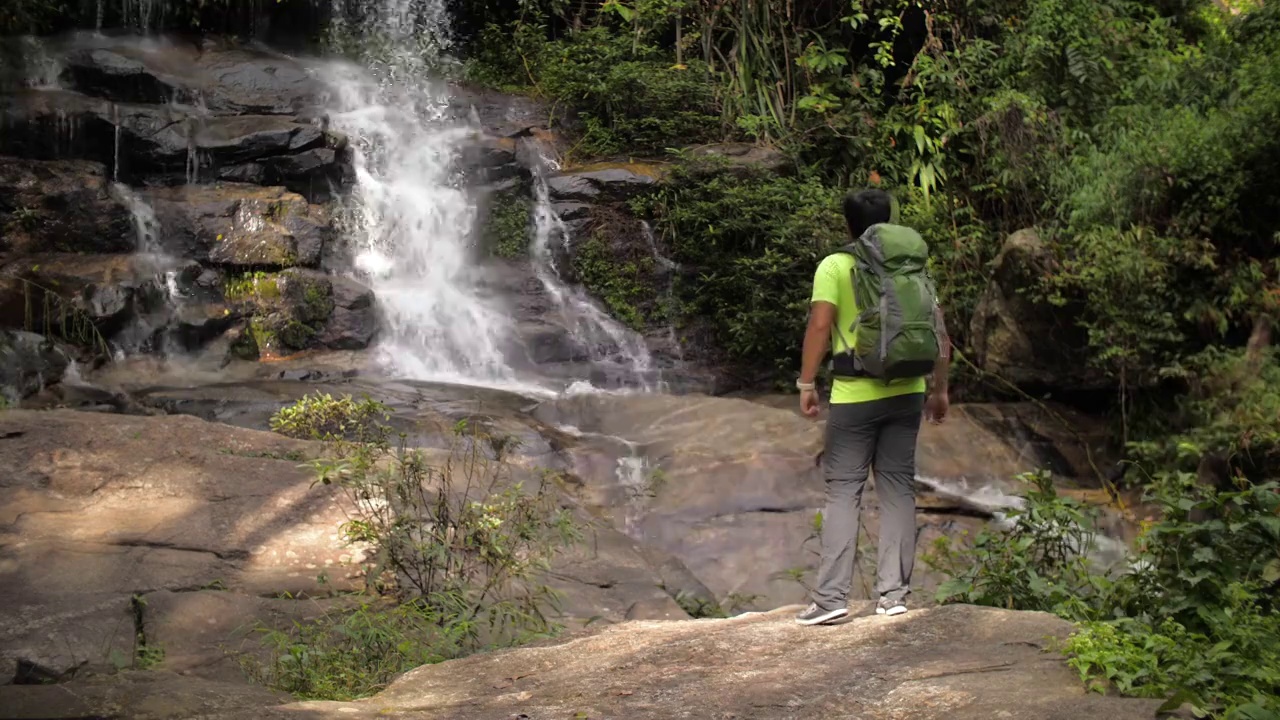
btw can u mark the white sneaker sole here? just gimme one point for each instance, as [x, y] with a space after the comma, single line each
[825, 617]
[895, 610]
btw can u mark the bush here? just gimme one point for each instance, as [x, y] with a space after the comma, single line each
[621, 272]
[1190, 618]
[1041, 562]
[320, 417]
[347, 655]
[626, 96]
[748, 243]
[455, 548]
[19, 17]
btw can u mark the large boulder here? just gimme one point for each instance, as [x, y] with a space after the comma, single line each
[300, 309]
[354, 320]
[117, 526]
[221, 76]
[744, 157]
[601, 182]
[61, 289]
[60, 206]
[1023, 339]
[730, 487]
[239, 226]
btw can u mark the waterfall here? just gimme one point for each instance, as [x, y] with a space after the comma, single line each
[668, 269]
[409, 222]
[622, 352]
[156, 302]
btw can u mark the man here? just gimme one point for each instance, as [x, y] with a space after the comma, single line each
[873, 423]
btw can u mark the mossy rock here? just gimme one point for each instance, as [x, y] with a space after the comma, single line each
[505, 227]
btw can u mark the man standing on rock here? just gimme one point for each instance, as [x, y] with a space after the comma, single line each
[875, 303]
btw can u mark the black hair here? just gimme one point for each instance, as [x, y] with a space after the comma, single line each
[864, 208]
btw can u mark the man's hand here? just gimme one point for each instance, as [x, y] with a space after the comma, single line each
[936, 407]
[809, 403]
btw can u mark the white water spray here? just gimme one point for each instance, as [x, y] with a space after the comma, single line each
[411, 224]
[150, 318]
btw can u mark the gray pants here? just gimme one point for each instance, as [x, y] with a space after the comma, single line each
[880, 434]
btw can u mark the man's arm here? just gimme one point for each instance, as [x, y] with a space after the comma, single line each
[817, 337]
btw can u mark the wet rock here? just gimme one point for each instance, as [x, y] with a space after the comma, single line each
[490, 159]
[354, 320]
[569, 211]
[223, 77]
[60, 206]
[301, 309]
[601, 183]
[745, 155]
[546, 343]
[1023, 340]
[108, 74]
[498, 114]
[240, 225]
[28, 362]
[141, 142]
[70, 291]
[312, 173]
[729, 488]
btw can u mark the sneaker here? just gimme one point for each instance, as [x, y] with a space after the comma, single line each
[890, 607]
[814, 615]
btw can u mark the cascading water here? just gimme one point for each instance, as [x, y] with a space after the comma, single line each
[410, 222]
[668, 269]
[157, 303]
[610, 344]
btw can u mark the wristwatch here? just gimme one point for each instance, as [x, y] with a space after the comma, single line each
[804, 385]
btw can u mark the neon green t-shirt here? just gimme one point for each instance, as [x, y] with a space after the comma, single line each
[832, 283]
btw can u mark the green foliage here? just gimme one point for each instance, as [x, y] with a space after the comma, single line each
[748, 242]
[350, 655]
[252, 285]
[1039, 563]
[506, 227]
[319, 416]
[20, 17]
[1192, 617]
[50, 313]
[626, 97]
[623, 284]
[1231, 410]
[453, 545]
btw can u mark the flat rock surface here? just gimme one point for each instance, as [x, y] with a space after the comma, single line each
[200, 520]
[956, 662]
[730, 487]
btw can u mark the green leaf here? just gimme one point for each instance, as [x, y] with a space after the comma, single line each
[1271, 573]
[1176, 701]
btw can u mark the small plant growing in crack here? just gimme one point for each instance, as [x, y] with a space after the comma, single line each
[145, 655]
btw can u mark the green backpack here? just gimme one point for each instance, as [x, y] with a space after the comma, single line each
[895, 334]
